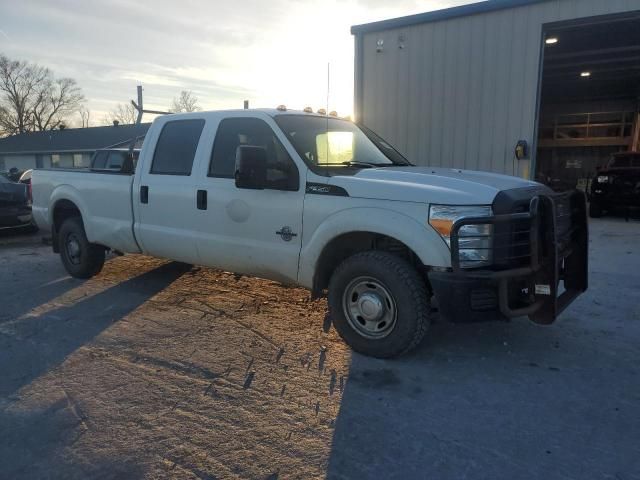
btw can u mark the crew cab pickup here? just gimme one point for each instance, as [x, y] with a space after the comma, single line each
[320, 202]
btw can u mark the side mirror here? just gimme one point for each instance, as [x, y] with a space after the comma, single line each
[251, 167]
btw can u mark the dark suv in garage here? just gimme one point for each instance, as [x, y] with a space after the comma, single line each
[616, 185]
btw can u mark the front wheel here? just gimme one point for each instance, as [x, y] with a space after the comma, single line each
[379, 304]
[80, 258]
[595, 209]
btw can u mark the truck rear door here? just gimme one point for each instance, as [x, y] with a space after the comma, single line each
[163, 194]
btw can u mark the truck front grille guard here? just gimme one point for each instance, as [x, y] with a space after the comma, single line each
[556, 250]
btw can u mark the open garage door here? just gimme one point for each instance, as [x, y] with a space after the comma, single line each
[590, 98]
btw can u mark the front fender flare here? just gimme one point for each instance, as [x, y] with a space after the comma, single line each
[420, 238]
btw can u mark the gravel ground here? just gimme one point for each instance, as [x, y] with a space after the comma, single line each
[156, 369]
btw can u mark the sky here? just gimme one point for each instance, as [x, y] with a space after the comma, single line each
[269, 52]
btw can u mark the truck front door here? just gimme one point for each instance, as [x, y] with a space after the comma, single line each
[255, 232]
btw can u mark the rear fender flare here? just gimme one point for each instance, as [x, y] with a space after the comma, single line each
[71, 194]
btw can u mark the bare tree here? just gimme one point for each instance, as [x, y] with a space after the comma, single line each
[84, 116]
[4, 122]
[56, 101]
[31, 99]
[124, 113]
[19, 86]
[185, 102]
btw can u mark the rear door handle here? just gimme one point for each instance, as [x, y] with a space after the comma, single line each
[201, 199]
[144, 194]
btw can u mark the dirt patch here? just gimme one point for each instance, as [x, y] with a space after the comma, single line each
[209, 376]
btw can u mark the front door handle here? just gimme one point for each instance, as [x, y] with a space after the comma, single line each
[144, 194]
[201, 200]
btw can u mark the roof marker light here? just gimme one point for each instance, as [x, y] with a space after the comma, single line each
[308, 110]
[282, 108]
[551, 40]
[585, 74]
[333, 113]
[322, 111]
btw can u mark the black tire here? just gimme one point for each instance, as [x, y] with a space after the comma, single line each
[88, 260]
[595, 210]
[408, 294]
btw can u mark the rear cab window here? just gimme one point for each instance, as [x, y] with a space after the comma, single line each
[176, 147]
[115, 160]
[625, 161]
[99, 160]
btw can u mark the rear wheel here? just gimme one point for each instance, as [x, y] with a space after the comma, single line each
[80, 258]
[379, 304]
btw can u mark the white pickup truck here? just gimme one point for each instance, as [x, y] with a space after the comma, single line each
[318, 201]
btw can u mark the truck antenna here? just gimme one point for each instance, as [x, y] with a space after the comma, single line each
[326, 112]
[328, 83]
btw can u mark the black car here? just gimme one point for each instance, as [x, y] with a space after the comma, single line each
[15, 204]
[617, 185]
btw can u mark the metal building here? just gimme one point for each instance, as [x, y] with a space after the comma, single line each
[461, 87]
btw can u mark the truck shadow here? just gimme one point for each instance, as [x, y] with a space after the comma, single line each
[481, 401]
[26, 261]
[31, 346]
[51, 284]
[44, 436]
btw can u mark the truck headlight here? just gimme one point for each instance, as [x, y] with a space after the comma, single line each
[474, 241]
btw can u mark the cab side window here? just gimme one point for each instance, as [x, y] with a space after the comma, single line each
[116, 159]
[176, 147]
[282, 173]
[99, 160]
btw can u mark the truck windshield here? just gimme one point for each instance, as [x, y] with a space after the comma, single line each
[625, 161]
[332, 142]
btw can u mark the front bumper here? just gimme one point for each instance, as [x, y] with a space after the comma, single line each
[540, 264]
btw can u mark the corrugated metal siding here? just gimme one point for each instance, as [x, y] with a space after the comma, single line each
[463, 91]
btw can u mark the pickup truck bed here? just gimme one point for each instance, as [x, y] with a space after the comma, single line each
[104, 199]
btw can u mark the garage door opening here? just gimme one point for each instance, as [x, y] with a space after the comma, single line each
[590, 98]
